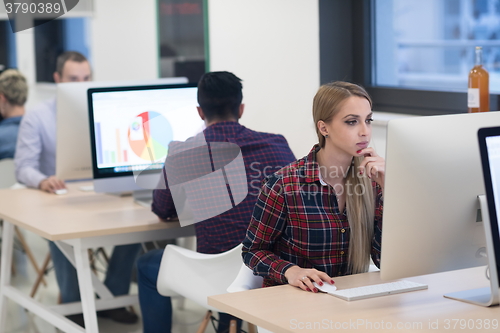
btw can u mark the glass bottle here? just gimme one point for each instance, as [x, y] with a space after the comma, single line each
[478, 94]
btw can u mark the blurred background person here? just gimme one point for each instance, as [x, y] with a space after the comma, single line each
[13, 96]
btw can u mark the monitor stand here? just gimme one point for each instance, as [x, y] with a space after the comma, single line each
[487, 296]
[143, 197]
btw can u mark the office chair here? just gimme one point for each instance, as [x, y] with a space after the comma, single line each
[196, 276]
[245, 280]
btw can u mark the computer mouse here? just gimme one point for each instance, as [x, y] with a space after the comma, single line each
[326, 287]
[61, 191]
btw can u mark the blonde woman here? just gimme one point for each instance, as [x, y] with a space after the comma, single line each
[13, 95]
[321, 216]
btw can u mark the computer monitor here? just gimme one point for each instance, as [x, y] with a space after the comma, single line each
[131, 128]
[73, 157]
[431, 221]
[489, 148]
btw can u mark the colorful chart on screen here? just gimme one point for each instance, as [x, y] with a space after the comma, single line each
[149, 134]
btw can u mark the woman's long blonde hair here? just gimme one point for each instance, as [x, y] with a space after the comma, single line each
[360, 202]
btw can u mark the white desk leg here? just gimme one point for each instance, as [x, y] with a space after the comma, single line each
[99, 287]
[5, 270]
[86, 290]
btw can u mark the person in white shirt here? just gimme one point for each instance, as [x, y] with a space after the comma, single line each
[35, 160]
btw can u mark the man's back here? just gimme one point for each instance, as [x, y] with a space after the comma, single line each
[8, 136]
[263, 153]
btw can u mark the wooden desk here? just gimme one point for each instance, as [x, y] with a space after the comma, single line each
[76, 221]
[289, 309]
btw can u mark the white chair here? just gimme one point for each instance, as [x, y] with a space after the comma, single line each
[246, 280]
[196, 276]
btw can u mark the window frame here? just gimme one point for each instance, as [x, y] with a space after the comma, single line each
[357, 44]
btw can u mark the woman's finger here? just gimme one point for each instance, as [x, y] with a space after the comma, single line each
[368, 151]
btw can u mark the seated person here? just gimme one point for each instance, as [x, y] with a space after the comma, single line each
[219, 97]
[321, 216]
[35, 162]
[13, 95]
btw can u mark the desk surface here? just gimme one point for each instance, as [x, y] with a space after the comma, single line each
[289, 309]
[76, 214]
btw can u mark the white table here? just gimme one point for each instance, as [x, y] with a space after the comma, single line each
[76, 221]
[286, 309]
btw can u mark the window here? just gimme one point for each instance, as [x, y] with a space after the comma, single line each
[7, 46]
[404, 52]
[182, 38]
[429, 44]
[54, 37]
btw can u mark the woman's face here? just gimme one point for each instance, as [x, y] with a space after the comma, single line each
[350, 129]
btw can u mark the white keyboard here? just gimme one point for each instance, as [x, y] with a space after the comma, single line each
[376, 290]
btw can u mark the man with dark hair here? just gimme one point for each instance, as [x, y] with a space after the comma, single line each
[219, 97]
[35, 161]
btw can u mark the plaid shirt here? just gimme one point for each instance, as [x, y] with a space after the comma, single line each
[296, 221]
[263, 154]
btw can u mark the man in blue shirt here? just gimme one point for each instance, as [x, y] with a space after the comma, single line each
[35, 162]
[13, 95]
[219, 97]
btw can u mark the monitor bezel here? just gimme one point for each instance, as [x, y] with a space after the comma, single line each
[483, 134]
[432, 183]
[96, 172]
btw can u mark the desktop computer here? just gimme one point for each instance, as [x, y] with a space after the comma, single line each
[130, 132]
[431, 219]
[489, 148]
[73, 157]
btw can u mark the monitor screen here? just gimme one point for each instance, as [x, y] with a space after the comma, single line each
[433, 179]
[489, 145]
[73, 156]
[131, 127]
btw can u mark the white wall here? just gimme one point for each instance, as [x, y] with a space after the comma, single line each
[379, 132]
[273, 46]
[123, 40]
[123, 45]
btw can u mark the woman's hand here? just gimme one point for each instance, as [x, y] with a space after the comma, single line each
[304, 278]
[372, 165]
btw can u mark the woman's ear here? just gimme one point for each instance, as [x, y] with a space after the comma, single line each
[322, 127]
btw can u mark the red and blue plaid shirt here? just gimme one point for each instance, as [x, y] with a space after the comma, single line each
[296, 221]
[263, 154]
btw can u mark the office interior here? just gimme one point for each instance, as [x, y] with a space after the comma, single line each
[282, 49]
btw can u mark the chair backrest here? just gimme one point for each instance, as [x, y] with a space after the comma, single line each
[196, 275]
[7, 173]
[245, 280]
